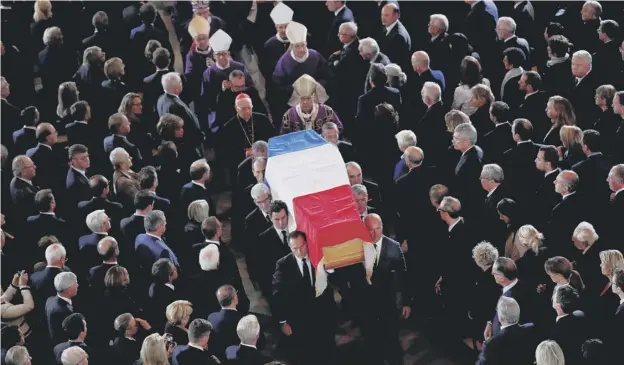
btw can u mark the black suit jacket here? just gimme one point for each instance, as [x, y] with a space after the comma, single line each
[89, 79]
[85, 134]
[532, 108]
[397, 45]
[496, 142]
[23, 196]
[125, 351]
[271, 249]
[467, 184]
[558, 79]
[48, 163]
[375, 96]
[152, 89]
[515, 345]
[431, 125]
[245, 355]
[113, 141]
[381, 58]
[10, 114]
[191, 192]
[160, 296]
[188, 355]
[42, 287]
[439, 52]
[113, 210]
[87, 250]
[525, 296]
[255, 223]
[333, 43]
[592, 174]
[56, 310]
[458, 274]
[58, 350]
[106, 40]
[193, 134]
[564, 218]
[41, 225]
[23, 140]
[78, 187]
[570, 332]
[389, 284]
[412, 199]
[224, 324]
[581, 97]
[544, 200]
[96, 277]
[130, 228]
[110, 95]
[521, 175]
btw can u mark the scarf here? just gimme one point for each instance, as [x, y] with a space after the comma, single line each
[206, 52]
[308, 119]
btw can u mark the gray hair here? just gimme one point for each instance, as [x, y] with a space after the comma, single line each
[468, 131]
[508, 311]
[258, 146]
[351, 26]
[570, 184]
[432, 90]
[209, 258]
[406, 138]
[170, 80]
[369, 45]
[17, 355]
[484, 254]
[95, 220]
[493, 172]
[442, 19]
[52, 34]
[248, 329]
[359, 189]
[450, 205]
[198, 210]
[55, 252]
[64, 281]
[586, 56]
[19, 164]
[549, 352]
[73, 355]
[122, 322]
[118, 156]
[90, 54]
[4, 154]
[508, 24]
[353, 164]
[585, 233]
[617, 173]
[328, 126]
[258, 190]
[153, 220]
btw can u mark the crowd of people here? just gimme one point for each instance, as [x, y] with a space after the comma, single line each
[487, 165]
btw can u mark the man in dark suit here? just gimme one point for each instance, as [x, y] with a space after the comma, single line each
[515, 343]
[306, 321]
[506, 31]
[134, 225]
[100, 190]
[505, 274]
[584, 90]
[149, 246]
[77, 182]
[82, 131]
[60, 306]
[593, 171]
[342, 14]
[140, 35]
[395, 40]
[22, 188]
[196, 352]
[584, 35]
[148, 179]
[108, 249]
[494, 229]
[480, 28]
[75, 328]
[26, 137]
[90, 75]
[369, 51]
[42, 282]
[438, 47]
[510, 93]
[225, 321]
[430, 125]
[256, 222]
[46, 222]
[152, 84]
[500, 139]
[103, 37]
[170, 102]
[545, 197]
[389, 280]
[354, 171]
[119, 127]
[196, 189]
[99, 224]
[607, 59]
[126, 347]
[519, 162]
[248, 330]
[566, 215]
[468, 169]
[331, 134]
[534, 103]
[419, 73]
[10, 114]
[46, 158]
[244, 175]
[616, 184]
[571, 329]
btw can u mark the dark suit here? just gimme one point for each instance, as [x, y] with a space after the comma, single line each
[224, 333]
[152, 89]
[271, 248]
[58, 350]
[11, 116]
[48, 164]
[582, 97]
[496, 142]
[377, 95]
[607, 60]
[333, 43]
[512, 95]
[513, 345]
[615, 207]
[432, 126]
[41, 225]
[23, 139]
[544, 200]
[397, 45]
[106, 40]
[23, 196]
[113, 210]
[467, 183]
[191, 192]
[558, 79]
[311, 318]
[114, 141]
[188, 355]
[87, 250]
[78, 188]
[110, 95]
[592, 174]
[193, 134]
[381, 58]
[245, 355]
[521, 175]
[56, 310]
[130, 228]
[439, 52]
[532, 108]
[570, 332]
[159, 297]
[480, 28]
[564, 218]
[525, 296]
[42, 287]
[149, 249]
[89, 79]
[125, 351]
[255, 223]
[85, 134]
[96, 277]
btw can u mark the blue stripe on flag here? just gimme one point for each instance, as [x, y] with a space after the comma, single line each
[293, 142]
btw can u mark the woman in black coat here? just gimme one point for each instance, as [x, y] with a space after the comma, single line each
[178, 317]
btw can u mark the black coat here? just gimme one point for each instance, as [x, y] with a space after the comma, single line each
[333, 43]
[11, 116]
[558, 79]
[564, 218]
[525, 296]
[78, 188]
[412, 200]
[42, 287]
[130, 228]
[439, 52]
[397, 45]
[58, 350]
[607, 124]
[544, 200]
[107, 41]
[389, 280]
[377, 95]
[521, 175]
[592, 173]
[41, 225]
[23, 139]
[514, 346]
[125, 351]
[467, 183]
[152, 89]
[113, 210]
[381, 58]
[188, 355]
[224, 334]
[85, 134]
[191, 192]
[570, 332]
[532, 108]
[432, 126]
[23, 196]
[114, 141]
[48, 162]
[96, 278]
[245, 355]
[272, 250]
[160, 296]
[255, 223]
[88, 79]
[111, 94]
[56, 310]
[350, 70]
[237, 135]
[582, 97]
[179, 335]
[607, 61]
[193, 134]
[496, 142]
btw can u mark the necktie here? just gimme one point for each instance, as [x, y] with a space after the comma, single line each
[306, 272]
[285, 237]
[376, 254]
[267, 218]
[577, 81]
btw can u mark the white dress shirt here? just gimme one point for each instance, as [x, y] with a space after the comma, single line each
[508, 287]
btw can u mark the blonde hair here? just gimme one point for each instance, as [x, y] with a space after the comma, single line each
[454, 118]
[611, 260]
[482, 91]
[529, 237]
[571, 136]
[549, 353]
[179, 311]
[115, 276]
[43, 10]
[125, 106]
[565, 111]
[153, 350]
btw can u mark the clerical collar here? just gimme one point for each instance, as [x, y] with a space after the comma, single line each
[42, 144]
[222, 68]
[302, 59]
[339, 10]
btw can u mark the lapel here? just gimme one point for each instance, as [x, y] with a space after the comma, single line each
[383, 254]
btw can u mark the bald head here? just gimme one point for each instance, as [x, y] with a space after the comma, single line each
[108, 248]
[420, 61]
[616, 178]
[413, 156]
[374, 226]
[46, 133]
[200, 170]
[566, 182]
[389, 14]
[355, 172]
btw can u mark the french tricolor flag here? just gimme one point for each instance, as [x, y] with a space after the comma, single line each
[309, 175]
